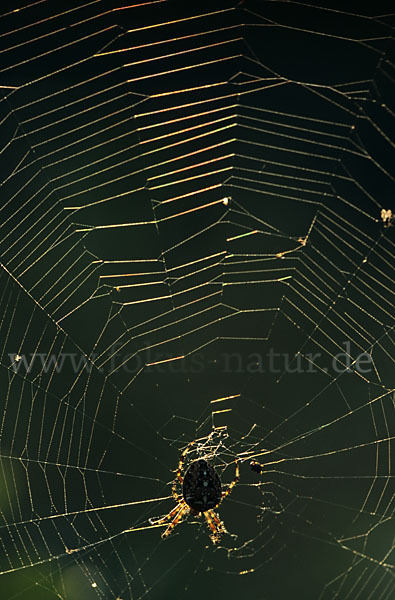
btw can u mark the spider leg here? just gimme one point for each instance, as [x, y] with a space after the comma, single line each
[176, 496]
[169, 516]
[215, 533]
[231, 486]
[219, 524]
[180, 464]
[184, 508]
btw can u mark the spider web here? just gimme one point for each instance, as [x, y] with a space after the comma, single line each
[196, 244]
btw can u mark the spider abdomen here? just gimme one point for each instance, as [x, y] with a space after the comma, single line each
[201, 487]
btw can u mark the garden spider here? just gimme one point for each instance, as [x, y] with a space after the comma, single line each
[201, 493]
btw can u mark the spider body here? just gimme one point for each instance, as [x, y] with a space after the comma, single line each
[201, 493]
[201, 488]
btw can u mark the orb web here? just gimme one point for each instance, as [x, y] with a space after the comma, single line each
[196, 244]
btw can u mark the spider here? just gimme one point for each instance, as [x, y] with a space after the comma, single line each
[201, 493]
